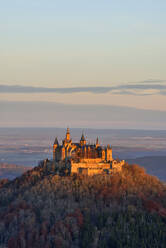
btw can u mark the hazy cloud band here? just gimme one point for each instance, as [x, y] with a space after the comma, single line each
[151, 87]
[52, 113]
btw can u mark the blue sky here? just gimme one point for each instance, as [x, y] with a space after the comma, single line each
[58, 44]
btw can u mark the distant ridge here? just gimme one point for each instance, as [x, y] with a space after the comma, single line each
[11, 171]
[79, 115]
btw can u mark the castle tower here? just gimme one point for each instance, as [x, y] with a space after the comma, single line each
[82, 140]
[103, 154]
[56, 143]
[55, 146]
[63, 153]
[97, 142]
[109, 153]
[68, 135]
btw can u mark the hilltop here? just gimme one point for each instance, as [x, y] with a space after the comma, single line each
[44, 209]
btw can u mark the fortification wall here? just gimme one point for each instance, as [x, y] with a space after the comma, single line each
[117, 165]
[91, 168]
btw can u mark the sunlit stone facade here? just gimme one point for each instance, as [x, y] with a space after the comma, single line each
[84, 158]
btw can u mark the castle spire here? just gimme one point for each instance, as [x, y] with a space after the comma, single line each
[97, 142]
[82, 137]
[82, 140]
[68, 130]
[68, 134]
[56, 141]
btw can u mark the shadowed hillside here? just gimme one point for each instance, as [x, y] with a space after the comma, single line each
[43, 209]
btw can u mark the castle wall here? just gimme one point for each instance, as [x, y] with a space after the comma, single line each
[91, 160]
[116, 166]
[91, 168]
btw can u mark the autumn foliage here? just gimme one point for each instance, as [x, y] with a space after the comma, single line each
[44, 209]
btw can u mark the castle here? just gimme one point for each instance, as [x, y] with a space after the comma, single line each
[83, 158]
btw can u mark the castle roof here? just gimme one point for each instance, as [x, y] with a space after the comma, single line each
[68, 130]
[56, 141]
[82, 137]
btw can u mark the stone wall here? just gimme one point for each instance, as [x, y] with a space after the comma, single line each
[91, 167]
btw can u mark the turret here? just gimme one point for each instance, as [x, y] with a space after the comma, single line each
[55, 145]
[68, 135]
[97, 142]
[103, 154]
[108, 153]
[82, 140]
[63, 153]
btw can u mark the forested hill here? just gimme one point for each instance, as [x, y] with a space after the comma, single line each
[46, 210]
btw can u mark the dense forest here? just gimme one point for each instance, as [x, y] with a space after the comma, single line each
[43, 209]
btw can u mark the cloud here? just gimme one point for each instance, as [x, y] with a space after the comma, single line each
[148, 87]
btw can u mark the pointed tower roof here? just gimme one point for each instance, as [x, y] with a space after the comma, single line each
[97, 142]
[82, 137]
[68, 130]
[67, 135]
[56, 141]
[82, 140]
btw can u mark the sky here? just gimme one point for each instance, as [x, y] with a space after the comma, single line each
[118, 48]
